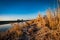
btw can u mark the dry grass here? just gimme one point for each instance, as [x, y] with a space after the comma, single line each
[41, 28]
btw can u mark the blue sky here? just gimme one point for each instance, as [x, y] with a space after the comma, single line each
[24, 9]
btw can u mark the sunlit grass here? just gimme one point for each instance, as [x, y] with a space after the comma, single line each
[42, 28]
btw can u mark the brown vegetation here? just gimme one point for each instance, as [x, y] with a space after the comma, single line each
[42, 28]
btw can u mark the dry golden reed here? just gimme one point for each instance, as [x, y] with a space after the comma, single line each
[42, 28]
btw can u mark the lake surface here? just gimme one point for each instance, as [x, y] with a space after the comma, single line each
[5, 27]
[8, 26]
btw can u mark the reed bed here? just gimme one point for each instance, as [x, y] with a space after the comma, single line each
[42, 28]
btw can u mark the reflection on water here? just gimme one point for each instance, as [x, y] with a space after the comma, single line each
[5, 27]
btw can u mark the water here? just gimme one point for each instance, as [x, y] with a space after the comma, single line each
[5, 27]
